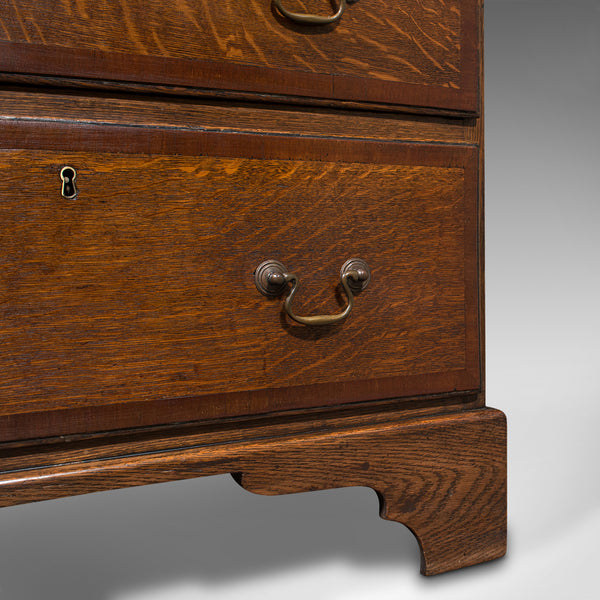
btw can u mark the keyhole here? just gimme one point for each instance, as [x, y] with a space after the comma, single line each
[68, 176]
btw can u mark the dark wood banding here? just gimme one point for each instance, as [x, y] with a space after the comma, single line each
[193, 115]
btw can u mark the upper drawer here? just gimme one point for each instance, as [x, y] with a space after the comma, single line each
[421, 53]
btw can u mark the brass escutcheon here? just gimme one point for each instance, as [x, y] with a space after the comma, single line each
[68, 188]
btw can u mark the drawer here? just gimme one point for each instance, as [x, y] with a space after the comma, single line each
[134, 303]
[408, 52]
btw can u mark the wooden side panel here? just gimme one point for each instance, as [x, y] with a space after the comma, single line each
[421, 53]
[140, 291]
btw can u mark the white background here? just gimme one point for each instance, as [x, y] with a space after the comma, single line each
[208, 538]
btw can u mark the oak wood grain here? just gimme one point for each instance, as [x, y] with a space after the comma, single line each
[406, 40]
[73, 448]
[129, 110]
[442, 476]
[135, 347]
[86, 86]
[125, 295]
[421, 53]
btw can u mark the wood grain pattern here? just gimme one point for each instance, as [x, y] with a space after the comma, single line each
[140, 275]
[136, 349]
[407, 41]
[442, 476]
[102, 87]
[73, 448]
[422, 53]
[178, 113]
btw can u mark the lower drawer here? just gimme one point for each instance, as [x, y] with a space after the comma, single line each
[134, 302]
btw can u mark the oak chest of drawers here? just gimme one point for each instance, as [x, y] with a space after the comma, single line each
[238, 240]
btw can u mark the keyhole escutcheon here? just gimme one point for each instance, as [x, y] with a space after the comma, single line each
[68, 176]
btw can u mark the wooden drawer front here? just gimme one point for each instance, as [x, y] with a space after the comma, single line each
[408, 52]
[135, 302]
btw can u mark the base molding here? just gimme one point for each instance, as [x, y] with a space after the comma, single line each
[443, 476]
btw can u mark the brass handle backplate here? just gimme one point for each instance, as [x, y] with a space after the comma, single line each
[311, 19]
[273, 279]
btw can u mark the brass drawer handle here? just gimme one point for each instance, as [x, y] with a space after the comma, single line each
[312, 19]
[272, 279]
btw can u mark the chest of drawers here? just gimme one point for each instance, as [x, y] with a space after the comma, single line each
[234, 241]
